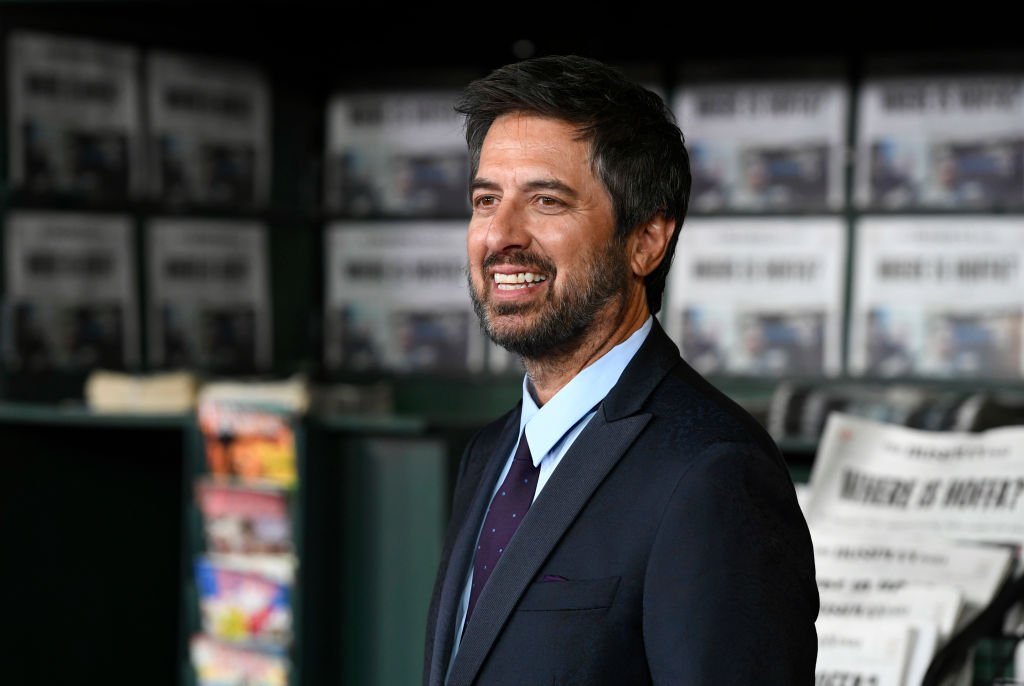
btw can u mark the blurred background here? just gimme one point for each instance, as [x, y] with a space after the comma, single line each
[227, 226]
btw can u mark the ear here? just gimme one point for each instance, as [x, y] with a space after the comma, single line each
[649, 242]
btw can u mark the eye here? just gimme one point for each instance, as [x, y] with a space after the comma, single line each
[485, 201]
[547, 201]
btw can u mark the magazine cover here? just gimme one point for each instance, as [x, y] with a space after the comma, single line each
[940, 142]
[244, 519]
[217, 663]
[74, 116]
[209, 295]
[758, 296]
[397, 298]
[250, 445]
[209, 133]
[765, 146]
[241, 605]
[938, 297]
[400, 154]
[70, 292]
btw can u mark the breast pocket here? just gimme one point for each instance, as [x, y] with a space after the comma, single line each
[572, 594]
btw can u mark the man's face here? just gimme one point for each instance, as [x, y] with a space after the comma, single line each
[543, 264]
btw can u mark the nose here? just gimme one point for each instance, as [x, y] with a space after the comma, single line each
[507, 230]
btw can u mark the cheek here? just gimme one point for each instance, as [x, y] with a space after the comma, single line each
[475, 243]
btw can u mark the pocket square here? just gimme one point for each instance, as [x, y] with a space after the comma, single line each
[553, 577]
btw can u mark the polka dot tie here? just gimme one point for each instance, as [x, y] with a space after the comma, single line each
[508, 507]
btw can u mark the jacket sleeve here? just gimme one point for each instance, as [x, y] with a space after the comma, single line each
[729, 594]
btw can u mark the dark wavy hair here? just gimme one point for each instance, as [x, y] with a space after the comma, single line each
[637, 150]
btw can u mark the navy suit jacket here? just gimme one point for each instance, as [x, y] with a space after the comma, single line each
[666, 548]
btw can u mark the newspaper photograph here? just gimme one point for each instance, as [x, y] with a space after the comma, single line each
[209, 134]
[399, 154]
[938, 297]
[759, 296]
[397, 298]
[765, 146]
[880, 477]
[74, 117]
[70, 292]
[953, 142]
[209, 295]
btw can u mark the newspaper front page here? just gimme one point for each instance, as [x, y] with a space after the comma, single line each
[949, 142]
[209, 300]
[398, 154]
[883, 478]
[938, 297]
[765, 146]
[759, 296]
[397, 298]
[70, 292]
[74, 116]
[209, 138]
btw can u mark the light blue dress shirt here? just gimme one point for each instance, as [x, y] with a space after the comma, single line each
[552, 428]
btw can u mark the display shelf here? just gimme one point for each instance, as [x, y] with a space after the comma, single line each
[79, 415]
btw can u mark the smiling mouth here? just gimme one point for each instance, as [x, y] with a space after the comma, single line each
[518, 281]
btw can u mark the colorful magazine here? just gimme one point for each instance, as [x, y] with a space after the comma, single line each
[254, 446]
[244, 604]
[244, 519]
[221, 664]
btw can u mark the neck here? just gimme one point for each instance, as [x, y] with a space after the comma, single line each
[613, 325]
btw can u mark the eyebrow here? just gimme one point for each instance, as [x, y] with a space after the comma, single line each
[481, 183]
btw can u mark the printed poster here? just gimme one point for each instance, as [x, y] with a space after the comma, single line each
[765, 146]
[938, 297]
[759, 296]
[70, 292]
[209, 299]
[209, 138]
[398, 154]
[74, 121]
[950, 142]
[397, 298]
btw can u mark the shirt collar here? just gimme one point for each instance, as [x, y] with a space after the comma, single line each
[546, 425]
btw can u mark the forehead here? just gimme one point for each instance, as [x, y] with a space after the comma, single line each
[524, 138]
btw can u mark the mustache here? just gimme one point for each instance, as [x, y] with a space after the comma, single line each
[527, 260]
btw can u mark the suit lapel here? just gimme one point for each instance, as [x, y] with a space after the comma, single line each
[490, 456]
[601, 444]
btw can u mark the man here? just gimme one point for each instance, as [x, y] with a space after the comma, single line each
[626, 523]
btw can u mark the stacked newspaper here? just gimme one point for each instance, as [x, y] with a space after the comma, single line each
[914, 533]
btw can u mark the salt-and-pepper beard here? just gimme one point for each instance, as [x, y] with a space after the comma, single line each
[565, 313]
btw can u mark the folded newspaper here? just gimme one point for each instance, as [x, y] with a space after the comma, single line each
[872, 476]
[166, 393]
[914, 533]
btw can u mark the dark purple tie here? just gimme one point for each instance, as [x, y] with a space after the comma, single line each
[508, 507]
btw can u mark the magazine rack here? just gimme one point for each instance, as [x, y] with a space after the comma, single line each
[367, 516]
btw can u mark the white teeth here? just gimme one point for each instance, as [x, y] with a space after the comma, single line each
[521, 277]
